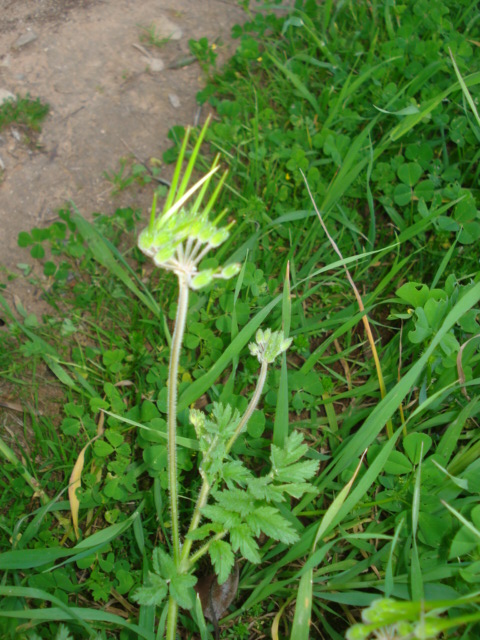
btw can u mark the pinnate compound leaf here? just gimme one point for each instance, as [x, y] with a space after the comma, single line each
[218, 514]
[222, 559]
[236, 500]
[182, 591]
[242, 540]
[268, 520]
[153, 593]
[263, 489]
[235, 472]
[298, 472]
[204, 531]
[297, 489]
[293, 450]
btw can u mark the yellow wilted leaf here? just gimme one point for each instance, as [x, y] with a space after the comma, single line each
[75, 483]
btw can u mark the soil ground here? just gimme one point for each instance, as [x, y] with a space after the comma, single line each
[107, 101]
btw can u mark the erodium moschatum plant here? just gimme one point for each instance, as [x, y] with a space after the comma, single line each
[233, 507]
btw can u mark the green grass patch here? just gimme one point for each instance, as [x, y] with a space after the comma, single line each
[373, 106]
[26, 113]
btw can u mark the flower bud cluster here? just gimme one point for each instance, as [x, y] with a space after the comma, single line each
[179, 242]
[269, 345]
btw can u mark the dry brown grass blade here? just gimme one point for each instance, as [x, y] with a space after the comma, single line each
[361, 306]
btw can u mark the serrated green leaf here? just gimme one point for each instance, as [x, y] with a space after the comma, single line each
[62, 634]
[222, 559]
[269, 521]
[182, 591]
[293, 450]
[204, 531]
[298, 472]
[236, 500]
[242, 540]
[263, 489]
[237, 472]
[218, 514]
[163, 564]
[153, 593]
[298, 489]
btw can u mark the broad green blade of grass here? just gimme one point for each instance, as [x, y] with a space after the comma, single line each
[34, 527]
[389, 577]
[416, 578]
[40, 594]
[106, 254]
[333, 510]
[466, 523]
[200, 619]
[386, 407]
[464, 87]
[31, 558]
[347, 504]
[83, 615]
[303, 608]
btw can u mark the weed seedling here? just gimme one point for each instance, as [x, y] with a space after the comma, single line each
[149, 36]
[26, 113]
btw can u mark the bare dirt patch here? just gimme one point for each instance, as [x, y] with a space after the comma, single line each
[106, 101]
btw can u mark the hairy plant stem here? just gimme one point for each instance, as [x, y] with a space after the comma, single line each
[187, 562]
[172, 618]
[177, 340]
[262, 376]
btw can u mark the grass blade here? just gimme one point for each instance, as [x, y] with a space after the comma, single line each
[303, 608]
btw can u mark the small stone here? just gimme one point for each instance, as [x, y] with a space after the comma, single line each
[6, 95]
[174, 100]
[25, 39]
[156, 64]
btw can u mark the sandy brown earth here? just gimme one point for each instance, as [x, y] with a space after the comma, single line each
[107, 99]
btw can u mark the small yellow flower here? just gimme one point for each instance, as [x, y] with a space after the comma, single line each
[213, 47]
[287, 176]
[259, 59]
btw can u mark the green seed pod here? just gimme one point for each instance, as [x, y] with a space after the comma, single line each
[146, 242]
[164, 255]
[206, 233]
[230, 271]
[161, 239]
[202, 279]
[219, 237]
